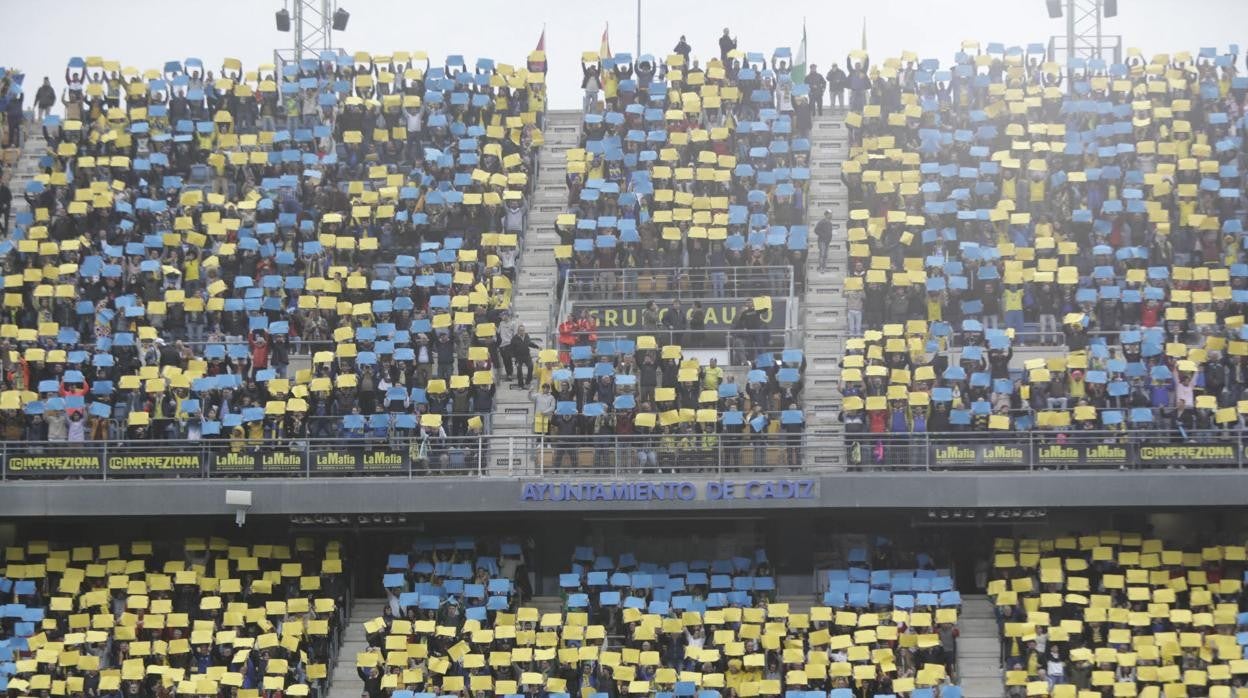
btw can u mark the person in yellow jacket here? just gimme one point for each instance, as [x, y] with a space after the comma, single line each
[1012, 304]
[708, 446]
[712, 375]
[738, 674]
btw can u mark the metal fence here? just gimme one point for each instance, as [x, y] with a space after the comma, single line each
[743, 346]
[322, 427]
[626, 456]
[678, 283]
[617, 298]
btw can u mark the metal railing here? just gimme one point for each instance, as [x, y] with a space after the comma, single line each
[692, 454]
[686, 284]
[617, 298]
[621, 295]
[743, 346]
[317, 426]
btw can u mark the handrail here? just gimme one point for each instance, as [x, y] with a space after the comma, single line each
[743, 345]
[323, 426]
[695, 453]
[704, 282]
[623, 287]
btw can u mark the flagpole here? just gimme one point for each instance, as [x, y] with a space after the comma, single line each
[638, 54]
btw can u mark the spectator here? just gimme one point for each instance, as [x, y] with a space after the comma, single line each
[818, 85]
[823, 235]
[14, 115]
[521, 346]
[591, 82]
[45, 99]
[727, 44]
[837, 81]
[676, 321]
[683, 49]
[6, 203]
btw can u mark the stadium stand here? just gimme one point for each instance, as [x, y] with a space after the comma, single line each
[692, 181]
[687, 628]
[690, 168]
[200, 618]
[265, 256]
[1119, 614]
[1028, 258]
[481, 575]
[641, 405]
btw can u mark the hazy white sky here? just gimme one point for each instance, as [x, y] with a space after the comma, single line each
[40, 36]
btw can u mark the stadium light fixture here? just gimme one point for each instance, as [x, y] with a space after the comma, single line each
[312, 24]
[1083, 38]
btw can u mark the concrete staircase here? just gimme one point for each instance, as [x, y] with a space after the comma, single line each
[25, 169]
[824, 304]
[979, 649]
[534, 295]
[799, 604]
[545, 604]
[346, 682]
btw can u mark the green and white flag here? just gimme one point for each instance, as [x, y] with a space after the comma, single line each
[798, 71]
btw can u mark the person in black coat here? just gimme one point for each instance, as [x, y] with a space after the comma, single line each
[6, 205]
[682, 48]
[372, 681]
[521, 343]
[817, 84]
[726, 45]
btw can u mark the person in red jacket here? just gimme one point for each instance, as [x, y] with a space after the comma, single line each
[70, 389]
[567, 339]
[586, 329]
[259, 344]
[877, 423]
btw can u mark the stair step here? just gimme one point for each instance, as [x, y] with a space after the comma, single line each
[982, 688]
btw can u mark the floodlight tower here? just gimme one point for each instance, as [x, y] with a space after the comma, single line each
[313, 23]
[1084, 38]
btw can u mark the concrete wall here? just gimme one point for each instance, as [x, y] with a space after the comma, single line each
[920, 490]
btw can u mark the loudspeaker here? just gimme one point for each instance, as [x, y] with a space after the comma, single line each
[1110, 7]
[341, 17]
[283, 20]
[1054, 7]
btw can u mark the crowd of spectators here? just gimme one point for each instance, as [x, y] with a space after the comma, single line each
[605, 586]
[687, 181]
[697, 171]
[190, 233]
[1119, 614]
[693, 628]
[640, 404]
[203, 618]
[1003, 201]
[476, 575]
[923, 596]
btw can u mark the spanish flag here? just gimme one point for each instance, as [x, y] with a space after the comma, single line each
[604, 49]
